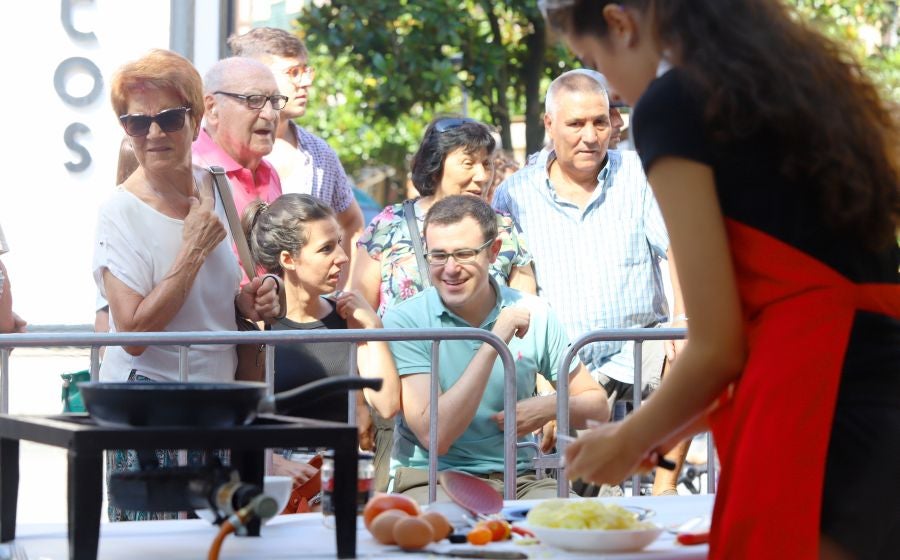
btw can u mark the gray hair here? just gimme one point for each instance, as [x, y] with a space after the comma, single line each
[229, 70]
[581, 80]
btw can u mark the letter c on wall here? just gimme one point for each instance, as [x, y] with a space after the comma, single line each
[61, 76]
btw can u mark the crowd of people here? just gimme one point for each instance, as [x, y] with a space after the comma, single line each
[784, 224]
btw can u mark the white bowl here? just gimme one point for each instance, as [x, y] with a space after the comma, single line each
[595, 540]
[278, 487]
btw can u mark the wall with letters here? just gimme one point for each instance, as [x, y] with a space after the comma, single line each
[61, 137]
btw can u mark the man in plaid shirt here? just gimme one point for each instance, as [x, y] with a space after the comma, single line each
[305, 163]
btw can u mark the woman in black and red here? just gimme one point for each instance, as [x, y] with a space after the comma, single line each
[775, 164]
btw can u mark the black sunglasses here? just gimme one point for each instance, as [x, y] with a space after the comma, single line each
[170, 120]
[450, 123]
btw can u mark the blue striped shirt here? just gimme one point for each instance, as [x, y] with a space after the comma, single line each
[598, 266]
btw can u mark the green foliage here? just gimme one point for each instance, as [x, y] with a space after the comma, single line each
[865, 29]
[386, 67]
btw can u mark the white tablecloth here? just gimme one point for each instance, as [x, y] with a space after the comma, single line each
[304, 536]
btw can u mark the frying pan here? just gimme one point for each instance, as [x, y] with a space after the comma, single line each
[202, 405]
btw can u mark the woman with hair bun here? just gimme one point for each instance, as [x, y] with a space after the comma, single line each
[297, 237]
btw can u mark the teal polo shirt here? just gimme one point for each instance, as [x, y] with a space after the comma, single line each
[480, 448]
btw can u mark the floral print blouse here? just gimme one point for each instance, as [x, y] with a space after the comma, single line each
[387, 240]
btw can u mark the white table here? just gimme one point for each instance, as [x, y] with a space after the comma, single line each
[304, 535]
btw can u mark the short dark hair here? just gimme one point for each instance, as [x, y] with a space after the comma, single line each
[428, 161]
[452, 210]
[281, 226]
[268, 40]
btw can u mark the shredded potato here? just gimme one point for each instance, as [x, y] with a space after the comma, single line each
[584, 514]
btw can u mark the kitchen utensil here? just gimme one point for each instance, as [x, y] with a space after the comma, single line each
[474, 553]
[471, 492]
[207, 405]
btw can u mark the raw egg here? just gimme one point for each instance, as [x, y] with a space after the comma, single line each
[439, 524]
[382, 526]
[412, 533]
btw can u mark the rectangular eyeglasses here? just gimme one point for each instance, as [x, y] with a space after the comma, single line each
[461, 256]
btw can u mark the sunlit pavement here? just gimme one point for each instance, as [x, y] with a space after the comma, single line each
[34, 388]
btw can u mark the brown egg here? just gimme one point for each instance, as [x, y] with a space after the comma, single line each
[413, 533]
[382, 527]
[439, 524]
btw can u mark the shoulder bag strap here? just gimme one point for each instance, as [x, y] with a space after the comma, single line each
[223, 186]
[234, 221]
[409, 210]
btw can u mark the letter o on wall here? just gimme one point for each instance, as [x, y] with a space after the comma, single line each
[65, 68]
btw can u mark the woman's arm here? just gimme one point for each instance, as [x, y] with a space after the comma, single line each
[365, 277]
[7, 321]
[522, 278]
[716, 353]
[374, 358]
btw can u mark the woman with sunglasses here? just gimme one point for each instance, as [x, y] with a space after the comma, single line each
[298, 238]
[775, 164]
[162, 257]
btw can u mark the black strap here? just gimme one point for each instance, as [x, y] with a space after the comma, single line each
[409, 209]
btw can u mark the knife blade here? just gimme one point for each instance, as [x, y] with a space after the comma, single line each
[474, 553]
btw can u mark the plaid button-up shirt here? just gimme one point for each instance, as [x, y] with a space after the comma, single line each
[312, 168]
[598, 266]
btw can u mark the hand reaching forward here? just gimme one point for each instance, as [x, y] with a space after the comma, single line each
[606, 455]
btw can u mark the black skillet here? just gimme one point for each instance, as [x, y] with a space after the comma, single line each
[203, 405]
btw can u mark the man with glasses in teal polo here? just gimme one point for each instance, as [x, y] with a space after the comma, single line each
[242, 105]
[461, 241]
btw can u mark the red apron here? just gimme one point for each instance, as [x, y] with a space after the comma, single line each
[772, 433]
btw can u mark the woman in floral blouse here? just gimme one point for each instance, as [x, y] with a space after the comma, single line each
[455, 157]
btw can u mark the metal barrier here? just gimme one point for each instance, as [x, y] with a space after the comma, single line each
[186, 339]
[562, 389]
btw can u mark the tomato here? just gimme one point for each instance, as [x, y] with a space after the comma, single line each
[383, 502]
[479, 535]
[499, 529]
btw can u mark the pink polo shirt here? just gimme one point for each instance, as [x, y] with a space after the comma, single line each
[246, 185]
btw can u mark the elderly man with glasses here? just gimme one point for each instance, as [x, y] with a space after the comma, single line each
[461, 240]
[306, 164]
[242, 103]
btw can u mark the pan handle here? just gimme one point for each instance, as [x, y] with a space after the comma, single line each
[290, 400]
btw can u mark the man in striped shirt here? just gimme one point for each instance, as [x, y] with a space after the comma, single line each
[596, 234]
[305, 163]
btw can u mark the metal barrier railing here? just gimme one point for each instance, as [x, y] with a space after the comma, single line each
[639, 336]
[270, 338]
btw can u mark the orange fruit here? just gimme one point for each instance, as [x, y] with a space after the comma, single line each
[500, 530]
[383, 502]
[479, 535]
